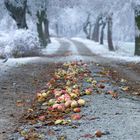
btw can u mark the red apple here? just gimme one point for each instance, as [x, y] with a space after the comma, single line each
[88, 91]
[55, 106]
[76, 117]
[61, 107]
[42, 118]
[98, 133]
[77, 110]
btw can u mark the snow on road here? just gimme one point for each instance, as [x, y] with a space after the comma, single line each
[52, 47]
[125, 54]
[78, 52]
[73, 49]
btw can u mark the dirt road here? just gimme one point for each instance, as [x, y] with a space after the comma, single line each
[20, 80]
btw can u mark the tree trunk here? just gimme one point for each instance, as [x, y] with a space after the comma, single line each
[102, 34]
[109, 33]
[18, 13]
[95, 35]
[43, 33]
[47, 34]
[137, 30]
[87, 28]
[57, 29]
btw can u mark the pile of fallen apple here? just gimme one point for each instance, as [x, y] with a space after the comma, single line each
[62, 95]
[61, 100]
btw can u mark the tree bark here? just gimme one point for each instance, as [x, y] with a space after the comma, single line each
[17, 13]
[43, 33]
[87, 28]
[47, 34]
[109, 33]
[137, 30]
[95, 34]
[102, 33]
[57, 29]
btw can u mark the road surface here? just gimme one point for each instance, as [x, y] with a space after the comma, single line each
[120, 117]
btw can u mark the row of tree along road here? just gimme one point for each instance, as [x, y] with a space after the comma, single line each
[18, 10]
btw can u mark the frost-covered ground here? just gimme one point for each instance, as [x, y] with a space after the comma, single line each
[18, 43]
[124, 50]
[52, 47]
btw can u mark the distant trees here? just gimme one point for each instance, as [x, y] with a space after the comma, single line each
[95, 31]
[37, 9]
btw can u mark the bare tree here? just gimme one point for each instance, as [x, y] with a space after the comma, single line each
[17, 10]
[95, 34]
[43, 27]
[102, 31]
[87, 27]
[137, 30]
[109, 32]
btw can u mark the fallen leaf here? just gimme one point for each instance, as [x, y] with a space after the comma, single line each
[125, 88]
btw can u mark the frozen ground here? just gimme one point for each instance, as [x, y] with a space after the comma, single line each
[124, 50]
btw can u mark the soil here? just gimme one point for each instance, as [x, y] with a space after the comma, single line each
[19, 86]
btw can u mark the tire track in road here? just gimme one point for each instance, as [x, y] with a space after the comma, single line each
[63, 49]
[82, 49]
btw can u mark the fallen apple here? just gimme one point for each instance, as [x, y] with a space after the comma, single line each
[39, 95]
[77, 110]
[67, 97]
[50, 109]
[98, 133]
[68, 103]
[73, 95]
[58, 122]
[55, 106]
[81, 102]
[76, 117]
[89, 80]
[101, 86]
[61, 99]
[88, 91]
[57, 94]
[74, 104]
[61, 107]
[51, 102]
[44, 94]
[76, 91]
[42, 118]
